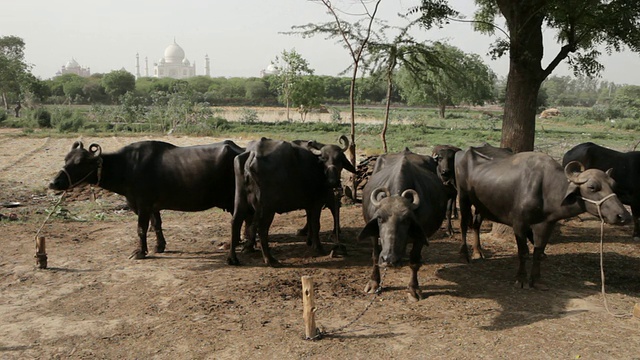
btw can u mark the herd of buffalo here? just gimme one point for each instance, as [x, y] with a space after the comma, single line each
[406, 198]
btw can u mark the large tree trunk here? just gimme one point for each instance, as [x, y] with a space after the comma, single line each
[525, 72]
[523, 81]
[519, 123]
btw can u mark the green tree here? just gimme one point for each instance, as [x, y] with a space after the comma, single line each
[460, 78]
[117, 83]
[14, 70]
[307, 94]
[581, 28]
[355, 38]
[627, 96]
[290, 67]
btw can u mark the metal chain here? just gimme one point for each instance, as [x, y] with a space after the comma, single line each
[322, 333]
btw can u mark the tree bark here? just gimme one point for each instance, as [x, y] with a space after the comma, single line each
[524, 20]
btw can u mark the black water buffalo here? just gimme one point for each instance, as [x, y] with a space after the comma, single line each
[277, 177]
[625, 171]
[444, 155]
[335, 160]
[403, 200]
[530, 192]
[154, 176]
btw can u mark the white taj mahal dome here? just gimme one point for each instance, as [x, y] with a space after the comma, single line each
[174, 54]
[174, 64]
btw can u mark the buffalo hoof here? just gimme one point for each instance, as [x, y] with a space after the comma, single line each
[477, 255]
[372, 287]
[272, 263]
[160, 248]
[338, 250]
[636, 238]
[233, 261]
[301, 232]
[248, 249]
[539, 286]
[414, 295]
[138, 255]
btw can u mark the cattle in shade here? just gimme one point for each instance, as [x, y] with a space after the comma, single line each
[277, 177]
[403, 201]
[155, 176]
[530, 192]
[625, 170]
[444, 155]
[335, 160]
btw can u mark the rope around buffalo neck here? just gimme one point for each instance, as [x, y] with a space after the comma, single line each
[99, 170]
[604, 294]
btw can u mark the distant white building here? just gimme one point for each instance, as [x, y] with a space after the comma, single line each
[72, 67]
[174, 64]
[270, 70]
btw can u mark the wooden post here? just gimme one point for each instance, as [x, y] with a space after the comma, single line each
[309, 308]
[41, 253]
[636, 310]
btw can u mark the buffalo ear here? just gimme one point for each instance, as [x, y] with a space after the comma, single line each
[416, 233]
[370, 230]
[571, 195]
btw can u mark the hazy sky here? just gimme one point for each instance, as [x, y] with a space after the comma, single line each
[240, 36]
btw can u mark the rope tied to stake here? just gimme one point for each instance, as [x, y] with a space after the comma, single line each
[602, 277]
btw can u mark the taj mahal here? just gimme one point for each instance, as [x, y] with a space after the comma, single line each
[174, 64]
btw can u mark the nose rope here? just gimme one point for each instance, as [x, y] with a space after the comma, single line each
[602, 277]
[72, 184]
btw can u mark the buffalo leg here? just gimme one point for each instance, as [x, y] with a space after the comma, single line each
[635, 214]
[476, 245]
[156, 224]
[249, 235]
[541, 237]
[465, 220]
[143, 227]
[415, 261]
[450, 206]
[374, 283]
[313, 237]
[264, 222]
[523, 254]
[236, 227]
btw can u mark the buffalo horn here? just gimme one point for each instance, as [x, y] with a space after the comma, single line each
[344, 140]
[95, 149]
[375, 198]
[413, 196]
[77, 144]
[572, 170]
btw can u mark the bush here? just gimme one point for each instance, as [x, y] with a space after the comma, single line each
[3, 115]
[43, 117]
[217, 123]
[249, 116]
[72, 124]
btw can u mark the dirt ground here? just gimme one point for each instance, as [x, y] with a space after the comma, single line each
[93, 302]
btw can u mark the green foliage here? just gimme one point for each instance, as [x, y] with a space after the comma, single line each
[117, 83]
[14, 70]
[42, 117]
[249, 116]
[454, 79]
[3, 115]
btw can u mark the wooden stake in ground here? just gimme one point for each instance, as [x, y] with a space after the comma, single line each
[309, 308]
[41, 253]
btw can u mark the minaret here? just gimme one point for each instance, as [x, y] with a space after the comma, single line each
[146, 66]
[137, 66]
[207, 69]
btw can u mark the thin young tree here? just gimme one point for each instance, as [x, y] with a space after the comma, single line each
[355, 38]
[290, 68]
